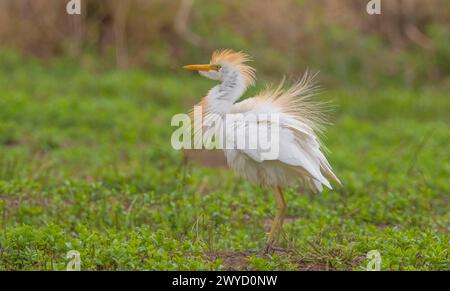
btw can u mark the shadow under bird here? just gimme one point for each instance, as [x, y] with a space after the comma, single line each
[299, 120]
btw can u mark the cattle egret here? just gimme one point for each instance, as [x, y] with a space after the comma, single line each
[299, 158]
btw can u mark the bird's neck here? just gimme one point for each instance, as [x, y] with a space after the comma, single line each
[222, 97]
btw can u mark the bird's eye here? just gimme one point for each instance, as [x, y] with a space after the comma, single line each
[217, 67]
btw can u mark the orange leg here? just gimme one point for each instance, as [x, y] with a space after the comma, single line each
[277, 224]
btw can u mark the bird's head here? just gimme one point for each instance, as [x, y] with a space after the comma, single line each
[226, 64]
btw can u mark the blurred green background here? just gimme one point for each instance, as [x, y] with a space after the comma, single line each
[85, 157]
[407, 43]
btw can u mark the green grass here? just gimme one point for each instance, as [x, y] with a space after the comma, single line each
[86, 164]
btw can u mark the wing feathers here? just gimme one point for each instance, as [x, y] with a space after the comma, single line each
[300, 120]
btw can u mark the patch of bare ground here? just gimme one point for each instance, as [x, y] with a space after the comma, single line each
[232, 261]
[238, 260]
[324, 266]
[313, 267]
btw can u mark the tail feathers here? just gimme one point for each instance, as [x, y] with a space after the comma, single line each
[312, 183]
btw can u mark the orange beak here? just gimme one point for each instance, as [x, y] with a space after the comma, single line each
[207, 67]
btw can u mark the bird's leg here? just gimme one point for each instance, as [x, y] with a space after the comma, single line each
[277, 224]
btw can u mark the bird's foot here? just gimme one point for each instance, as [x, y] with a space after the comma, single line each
[267, 250]
[272, 242]
[270, 248]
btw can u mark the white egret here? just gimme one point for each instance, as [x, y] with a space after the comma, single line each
[299, 158]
